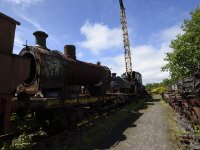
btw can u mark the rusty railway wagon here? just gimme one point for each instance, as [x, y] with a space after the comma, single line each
[55, 88]
[11, 72]
[184, 97]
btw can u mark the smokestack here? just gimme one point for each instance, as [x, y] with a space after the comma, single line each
[70, 51]
[40, 39]
[98, 63]
[114, 74]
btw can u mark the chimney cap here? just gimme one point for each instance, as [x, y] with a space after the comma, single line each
[70, 51]
[98, 63]
[40, 33]
[40, 39]
[70, 46]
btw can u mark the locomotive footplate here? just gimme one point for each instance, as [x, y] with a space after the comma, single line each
[47, 103]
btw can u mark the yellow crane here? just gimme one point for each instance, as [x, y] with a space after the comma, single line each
[127, 51]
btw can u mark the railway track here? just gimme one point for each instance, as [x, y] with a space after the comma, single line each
[67, 134]
[91, 115]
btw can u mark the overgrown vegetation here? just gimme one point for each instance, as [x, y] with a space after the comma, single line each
[158, 88]
[80, 139]
[174, 129]
[24, 140]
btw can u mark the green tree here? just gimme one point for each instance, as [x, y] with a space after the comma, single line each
[166, 82]
[151, 86]
[184, 60]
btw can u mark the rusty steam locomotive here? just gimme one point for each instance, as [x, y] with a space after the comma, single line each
[70, 83]
[53, 74]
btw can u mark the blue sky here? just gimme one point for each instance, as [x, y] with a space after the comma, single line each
[93, 26]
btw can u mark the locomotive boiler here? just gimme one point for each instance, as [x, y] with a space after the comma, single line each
[53, 74]
[120, 85]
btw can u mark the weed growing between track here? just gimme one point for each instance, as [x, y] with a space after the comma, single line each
[86, 137]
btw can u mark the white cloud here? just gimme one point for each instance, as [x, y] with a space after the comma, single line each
[115, 63]
[31, 21]
[19, 39]
[147, 59]
[170, 33]
[18, 44]
[100, 37]
[22, 2]
[79, 54]
[150, 63]
[52, 39]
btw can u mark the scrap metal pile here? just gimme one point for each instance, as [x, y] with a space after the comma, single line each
[184, 97]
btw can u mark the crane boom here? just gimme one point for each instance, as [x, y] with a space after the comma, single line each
[127, 51]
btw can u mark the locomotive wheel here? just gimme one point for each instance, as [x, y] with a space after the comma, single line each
[25, 100]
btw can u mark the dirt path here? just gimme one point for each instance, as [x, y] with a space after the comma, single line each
[148, 129]
[149, 132]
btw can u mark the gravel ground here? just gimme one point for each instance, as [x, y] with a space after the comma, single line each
[149, 132]
[148, 129]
